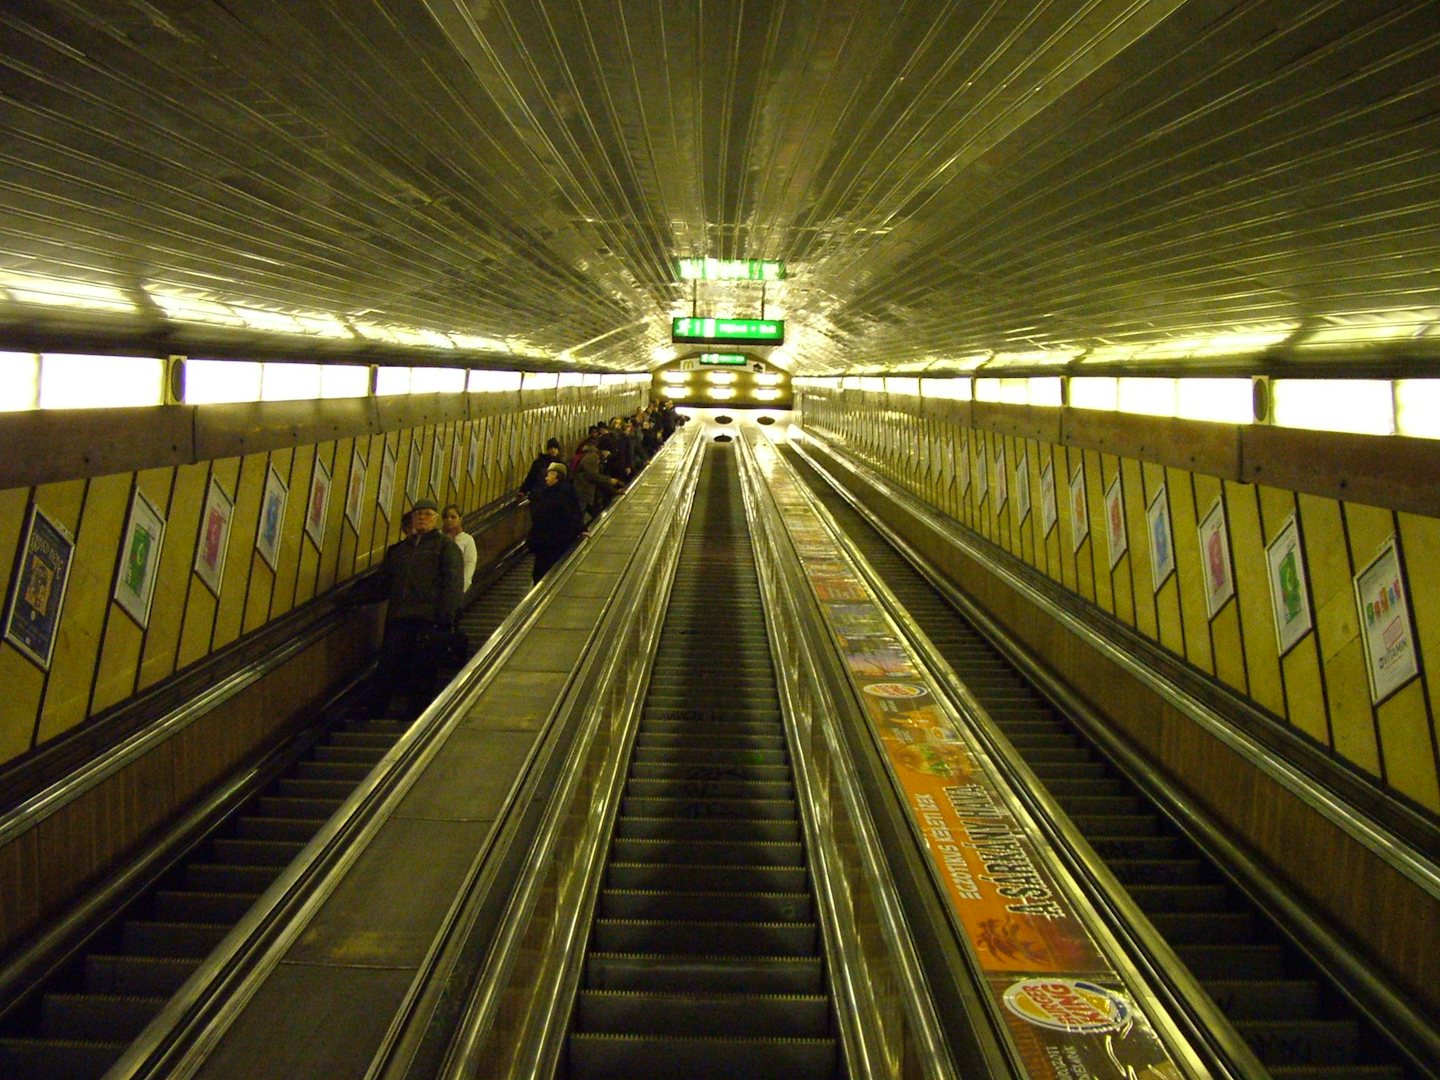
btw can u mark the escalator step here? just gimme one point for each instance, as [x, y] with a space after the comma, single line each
[254, 852]
[646, 770]
[1301, 1042]
[82, 1017]
[1137, 847]
[612, 1057]
[707, 756]
[136, 976]
[704, 974]
[709, 788]
[43, 1059]
[709, 809]
[204, 907]
[701, 878]
[349, 772]
[720, 740]
[708, 853]
[1117, 824]
[1273, 999]
[726, 938]
[229, 878]
[1186, 927]
[765, 830]
[1159, 871]
[737, 729]
[730, 1015]
[354, 755]
[316, 810]
[276, 828]
[673, 904]
[1234, 961]
[140, 937]
[1158, 899]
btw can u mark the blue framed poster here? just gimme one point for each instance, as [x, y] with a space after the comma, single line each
[33, 619]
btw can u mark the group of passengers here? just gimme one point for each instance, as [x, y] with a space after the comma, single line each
[427, 573]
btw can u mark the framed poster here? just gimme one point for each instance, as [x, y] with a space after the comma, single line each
[437, 467]
[272, 518]
[1049, 511]
[319, 504]
[1115, 521]
[1022, 487]
[1289, 591]
[412, 471]
[1384, 610]
[1162, 541]
[38, 594]
[1002, 480]
[456, 459]
[214, 537]
[1079, 512]
[355, 490]
[1215, 558]
[474, 463]
[140, 559]
[385, 494]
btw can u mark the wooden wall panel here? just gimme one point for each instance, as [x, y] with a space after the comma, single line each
[293, 543]
[240, 557]
[338, 453]
[1407, 746]
[1252, 586]
[1194, 612]
[1141, 483]
[1097, 479]
[22, 680]
[67, 687]
[167, 612]
[1422, 534]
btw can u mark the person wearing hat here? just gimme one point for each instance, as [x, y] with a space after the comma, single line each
[421, 578]
[535, 478]
[593, 486]
[556, 520]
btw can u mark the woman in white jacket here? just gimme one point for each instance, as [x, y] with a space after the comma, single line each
[453, 526]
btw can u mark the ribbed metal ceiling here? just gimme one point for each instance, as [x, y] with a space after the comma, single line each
[1138, 181]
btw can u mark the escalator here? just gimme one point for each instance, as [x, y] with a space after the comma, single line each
[1287, 1010]
[705, 958]
[100, 1000]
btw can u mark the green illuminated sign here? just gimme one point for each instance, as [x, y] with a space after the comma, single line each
[728, 331]
[734, 359]
[731, 270]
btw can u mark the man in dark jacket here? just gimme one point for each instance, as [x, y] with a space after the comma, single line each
[556, 520]
[421, 578]
[535, 478]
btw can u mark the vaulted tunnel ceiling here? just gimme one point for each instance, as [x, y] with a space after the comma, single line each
[1138, 181]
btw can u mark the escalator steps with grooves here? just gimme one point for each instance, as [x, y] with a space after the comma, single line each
[1292, 1019]
[78, 1028]
[705, 957]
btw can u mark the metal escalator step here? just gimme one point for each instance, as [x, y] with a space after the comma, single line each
[1301, 1042]
[674, 904]
[136, 976]
[363, 740]
[212, 907]
[1069, 770]
[1158, 899]
[714, 829]
[1184, 927]
[1271, 999]
[1261, 961]
[708, 788]
[316, 810]
[732, 1015]
[332, 770]
[1159, 871]
[1117, 824]
[707, 756]
[708, 809]
[276, 828]
[766, 730]
[613, 1057]
[1138, 847]
[722, 938]
[651, 770]
[313, 789]
[1001, 711]
[693, 877]
[1053, 755]
[144, 937]
[1338, 1072]
[355, 755]
[229, 878]
[254, 852]
[44, 1059]
[709, 852]
[100, 1017]
[714, 739]
[1027, 741]
[1075, 795]
[688, 974]
[716, 708]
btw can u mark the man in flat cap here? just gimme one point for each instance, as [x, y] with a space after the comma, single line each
[421, 578]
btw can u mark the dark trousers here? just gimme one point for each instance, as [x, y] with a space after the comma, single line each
[545, 558]
[405, 667]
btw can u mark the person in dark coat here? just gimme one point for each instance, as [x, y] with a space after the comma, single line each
[421, 578]
[535, 478]
[556, 520]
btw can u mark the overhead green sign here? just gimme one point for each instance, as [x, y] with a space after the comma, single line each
[733, 359]
[731, 270]
[728, 331]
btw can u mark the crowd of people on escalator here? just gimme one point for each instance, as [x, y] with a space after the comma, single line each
[426, 575]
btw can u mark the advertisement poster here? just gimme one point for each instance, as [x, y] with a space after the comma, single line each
[1079, 513]
[1384, 610]
[41, 577]
[1115, 521]
[437, 467]
[1022, 488]
[385, 495]
[272, 519]
[140, 559]
[355, 490]
[1002, 478]
[1215, 558]
[214, 537]
[1289, 591]
[1162, 543]
[412, 471]
[316, 512]
[1049, 511]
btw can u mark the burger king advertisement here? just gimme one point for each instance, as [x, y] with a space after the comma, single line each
[1067, 1009]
